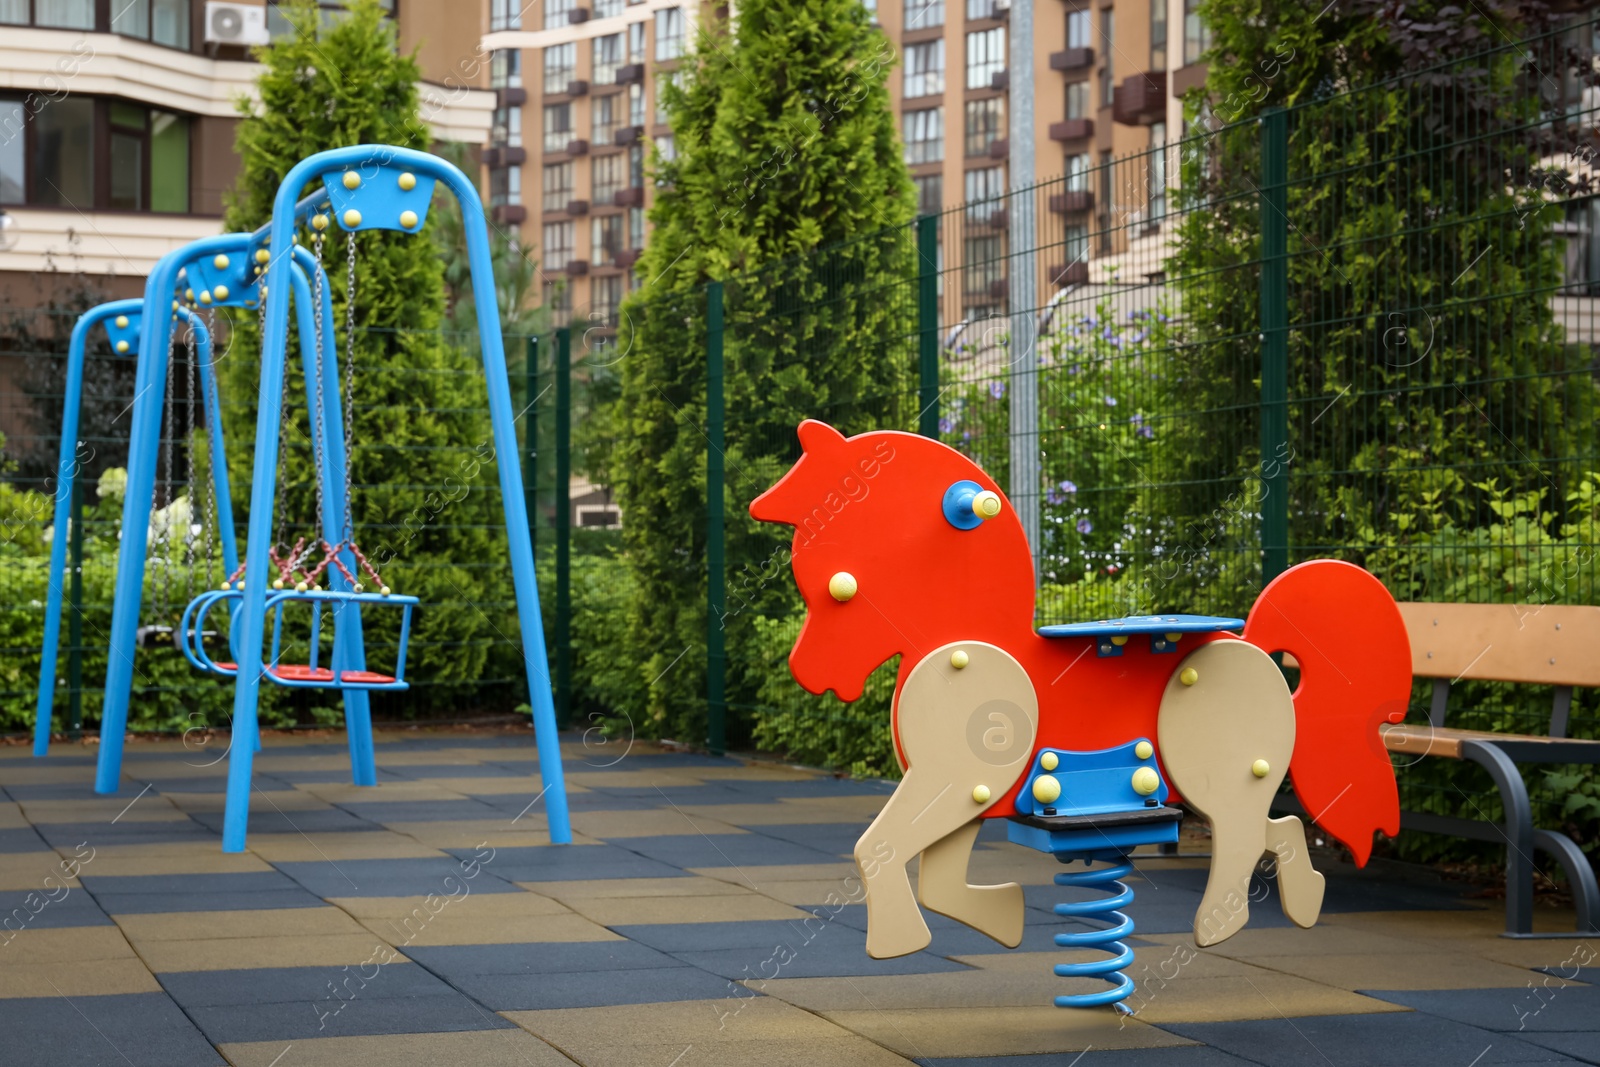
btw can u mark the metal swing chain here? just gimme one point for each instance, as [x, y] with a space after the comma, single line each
[349, 384]
[277, 496]
[319, 440]
[188, 454]
[165, 587]
[212, 516]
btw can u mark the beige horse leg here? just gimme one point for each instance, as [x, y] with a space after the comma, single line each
[993, 910]
[967, 733]
[1226, 730]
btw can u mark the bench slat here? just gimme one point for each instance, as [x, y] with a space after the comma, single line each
[1553, 644]
[1420, 739]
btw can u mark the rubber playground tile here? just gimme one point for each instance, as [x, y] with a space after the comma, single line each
[857, 808]
[814, 959]
[154, 903]
[620, 824]
[1397, 1040]
[494, 784]
[565, 863]
[241, 883]
[23, 839]
[370, 844]
[137, 1029]
[76, 978]
[464, 902]
[831, 837]
[291, 775]
[665, 796]
[726, 1052]
[66, 835]
[385, 812]
[547, 960]
[453, 928]
[419, 771]
[150, 807]
[744, 1018]
[678, 938]
[1583, 1048]
[266, 820]
[483, 1048]
[838, 870]
[626, 888]
[313, 985]
[410, 877]
[591, 989]
[1539, 1009]
[1321, 939]
[1409, 971]
[246, 953]
[1223, 999]
[198, 857]
[744, 907]
[724, 850]
[473, 834]
[1187, 1056]
[362, 1015]
[205, 925]
[957, 1031]
[65, 945]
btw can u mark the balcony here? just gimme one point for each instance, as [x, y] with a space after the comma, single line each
[1141, 100]
[577, 16]
[1072, 201]
[630, 197]
[577, 207]
[1074, 273]
[999, 148]
[999, 288]
[629, 73]
[577, 87]
[510, 214]
[627, 135]
[578, 147]
[1070, 59]
[577, 268]
[1072, 130]
[628, 257]
[1000, 80]
[513, 96]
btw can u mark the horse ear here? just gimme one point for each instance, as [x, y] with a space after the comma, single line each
[818, 437]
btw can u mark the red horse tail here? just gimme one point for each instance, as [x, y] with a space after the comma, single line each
[1342, 627]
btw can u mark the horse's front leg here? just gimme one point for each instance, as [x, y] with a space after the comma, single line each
[992, 910]
[967, 717]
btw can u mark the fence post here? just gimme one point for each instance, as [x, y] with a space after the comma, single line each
[716, 563]
[563, 526]
[75, 617]
[1274, 343]
[928, 325]
[530, 440]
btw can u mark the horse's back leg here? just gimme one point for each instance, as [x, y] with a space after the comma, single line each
[993, 910]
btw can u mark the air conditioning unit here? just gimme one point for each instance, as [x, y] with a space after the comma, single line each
[239, 24]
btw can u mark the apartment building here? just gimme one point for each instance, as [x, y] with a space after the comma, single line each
[577, 85]
[117, 125]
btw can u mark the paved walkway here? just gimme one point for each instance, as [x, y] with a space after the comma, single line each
[706, 917]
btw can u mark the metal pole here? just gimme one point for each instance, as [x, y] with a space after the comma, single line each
[716, 564]
[563, 526]
[928, 325]
[75, 619]
[1024, 283]
[1274, 343]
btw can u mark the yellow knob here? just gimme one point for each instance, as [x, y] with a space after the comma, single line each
[1260, 768]
[225, 585]
[352, 180]
[986, 505]
[842, 586]
[408, 219]
[319, 222]
[1143, 750]
[262, 255]
[959, 659]
[408, 180]
[122, 322]
[1146, 781]
[1049, 761]
[221, 292]
[122, 346]
[188, 294]
[1120, 640]
[1172, 639]
[277, 583]
[980, 794]
[175, 305]
[1188, 676]
[352, 218]
[205, 296]
[384, 590]
[1046, 789]
[221, 262]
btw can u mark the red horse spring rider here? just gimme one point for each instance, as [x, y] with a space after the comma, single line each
[1080, 735]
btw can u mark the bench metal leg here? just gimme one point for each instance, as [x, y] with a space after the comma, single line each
[1518, 831]
[1585, 894]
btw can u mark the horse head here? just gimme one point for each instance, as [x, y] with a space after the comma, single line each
[901, 544]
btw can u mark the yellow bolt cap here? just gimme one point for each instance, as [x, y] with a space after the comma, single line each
[1146, 781]
[1172, 639]
[225, 585]
[122, 322]
[980, 794]
[1260, 768]
[408, 180]
[959, 659]
[188, 294]
[1049, 761]
[352, 180]
[221, 292]
[262, 255]
[385, 591]
[277, 583]
[1046, 789]
[1188, 676]
[986, 505]
[220, 262]
[408, 219]
[352, 218]
[319, 222]
[1143, 750]
[205, 296]
[1119, 640]
[122, 346]
[842, 586]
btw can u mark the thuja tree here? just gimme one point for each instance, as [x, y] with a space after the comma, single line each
[788, 176]
[422, 464]
[1424, 356]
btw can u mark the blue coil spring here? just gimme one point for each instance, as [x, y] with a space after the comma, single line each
[1108, 939]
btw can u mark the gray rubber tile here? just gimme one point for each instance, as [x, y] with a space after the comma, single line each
[567, 863]
[1384, 1040]
[539, 958]
[209, 989]
[381, 811]
[264, 819]
[593, 989]
[24, 839]
[1584, 1048]
[722, 850]
[35, 909]
[137, 884]
[333, 1017]
[1136, 1057]
[391, 878]
[819, 958]
[164, 903]
[141, 1029]
[1553, 1009]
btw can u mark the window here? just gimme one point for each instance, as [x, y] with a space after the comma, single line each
[1157, 171]
[668, 147]
[608, 177]
[557, 13]
[636, 227]
[606, 297]
[1158, 34]
[162, 21]
[925, 135]
[664, 78]
[1196, 37]
[13, 11]
[985, 187]
[636, 42]
[560, 66]
[13, 177]
[329, 13]
[636, 167]
[557, 245]
[1078, 104]
[930, 194]
[606, 244]
[557, 127]
[922, 14]
[1078, 168]
[505, 69]
[983, 263]
[505, 186]
[506, 126]
[1077, 244]
[1102, 203]
[669, 33]
[66, 14]
[63, 140]
[924, 69]
[558, 298]
[985, 124]
[608, 9]
[86, 154]
[986, 57]
[1107, 46]
[127, 157]
[636, 105]
[607, 113]
[557, 186]
[1078, 32]
[505, 15]
[987, 9]
[607, 58]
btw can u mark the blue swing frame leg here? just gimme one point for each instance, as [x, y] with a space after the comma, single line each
[371, 162]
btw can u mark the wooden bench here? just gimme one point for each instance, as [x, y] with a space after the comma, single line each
[1555, 645]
